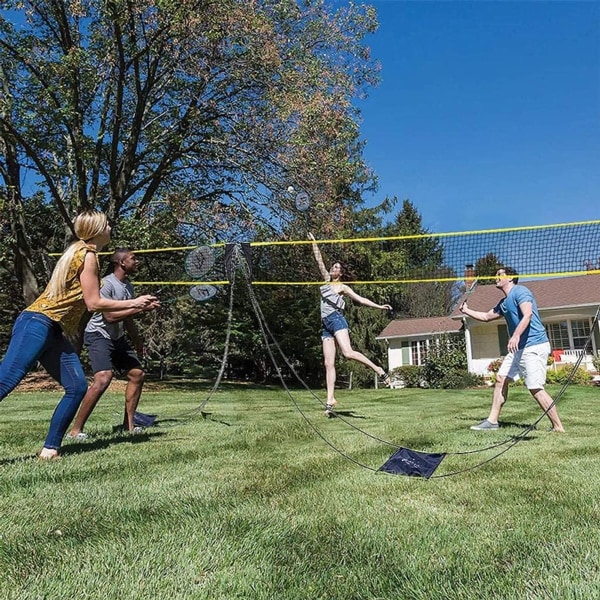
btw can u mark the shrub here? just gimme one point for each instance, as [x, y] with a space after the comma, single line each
[458, 380]
[410, 375]
[562, 374]
[596, 363]
[446, 361]
[362, 376]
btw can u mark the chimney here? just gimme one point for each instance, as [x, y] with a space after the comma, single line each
[469, 275]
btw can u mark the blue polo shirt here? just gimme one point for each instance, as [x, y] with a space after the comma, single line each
[509, 308]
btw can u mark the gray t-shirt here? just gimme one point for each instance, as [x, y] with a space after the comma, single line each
[112, 289]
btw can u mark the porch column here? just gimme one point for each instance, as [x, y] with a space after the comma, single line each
[468, 345]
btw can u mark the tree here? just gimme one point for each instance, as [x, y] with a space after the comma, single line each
[208, 108]
[486, 267]
[419, 258]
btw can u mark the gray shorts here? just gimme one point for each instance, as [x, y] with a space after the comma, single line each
[107, 354]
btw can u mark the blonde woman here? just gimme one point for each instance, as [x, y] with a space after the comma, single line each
[38, 332]
[335, 326]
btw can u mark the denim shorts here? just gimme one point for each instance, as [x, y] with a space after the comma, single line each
[333, 323]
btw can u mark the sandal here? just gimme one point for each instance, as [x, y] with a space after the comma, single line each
[384, 378]
[329, 412]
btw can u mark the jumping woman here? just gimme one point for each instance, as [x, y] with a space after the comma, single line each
[39, 331]
[335, 326]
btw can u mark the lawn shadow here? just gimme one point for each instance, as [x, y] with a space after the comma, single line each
[348, 414]
[503, 424]
[186, 418]
[17, 459]
[203, 386]
[88, 446]
[101, 443]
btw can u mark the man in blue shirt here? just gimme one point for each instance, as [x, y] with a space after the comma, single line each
[528, 348]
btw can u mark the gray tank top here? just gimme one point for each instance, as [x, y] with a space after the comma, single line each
[331, 301]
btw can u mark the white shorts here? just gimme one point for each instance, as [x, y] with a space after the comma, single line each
[530, 363]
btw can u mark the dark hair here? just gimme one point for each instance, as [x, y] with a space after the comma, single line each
[512, 273]
[116, 257]
[346, 272]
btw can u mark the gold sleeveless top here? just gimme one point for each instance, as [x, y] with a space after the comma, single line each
[67, 308]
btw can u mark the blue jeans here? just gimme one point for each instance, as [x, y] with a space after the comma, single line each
[35, 337]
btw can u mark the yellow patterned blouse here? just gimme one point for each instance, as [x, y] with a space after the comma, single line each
[67, 308]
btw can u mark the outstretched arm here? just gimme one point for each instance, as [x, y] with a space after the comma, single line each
[479, 315]
[319, 258]
[362, 300]
[91, 292]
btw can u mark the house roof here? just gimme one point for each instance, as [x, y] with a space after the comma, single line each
[560, 292]
[419, 327]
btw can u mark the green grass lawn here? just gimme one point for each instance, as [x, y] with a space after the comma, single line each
[251, 502]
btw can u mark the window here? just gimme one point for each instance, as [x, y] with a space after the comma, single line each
[421, 350]
[418, 352]
[558, 334]
[581, 332]
[568, 335]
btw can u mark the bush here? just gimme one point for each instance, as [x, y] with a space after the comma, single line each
[362, 376]
[446, 363]
[410, 375]
[562, 374]
[596, 363]
[458, 380]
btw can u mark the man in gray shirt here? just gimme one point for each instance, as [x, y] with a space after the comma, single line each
[108, 348]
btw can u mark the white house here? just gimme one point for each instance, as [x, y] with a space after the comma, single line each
[567, 307]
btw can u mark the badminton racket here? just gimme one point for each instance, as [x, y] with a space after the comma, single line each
[302, 204]
[199, 262]
[469, 291]
[201, 293]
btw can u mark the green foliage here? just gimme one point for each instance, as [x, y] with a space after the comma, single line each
[566, 374]
[446, 362]
[210, 112]
[410, 375]
[486, 267]
[460, 379]
[416, 257]
[596, 362]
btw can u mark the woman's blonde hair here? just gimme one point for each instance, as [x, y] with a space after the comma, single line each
[87, 225]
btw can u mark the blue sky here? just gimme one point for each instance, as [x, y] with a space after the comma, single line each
[488, 113]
